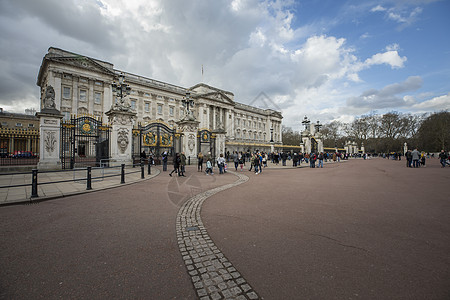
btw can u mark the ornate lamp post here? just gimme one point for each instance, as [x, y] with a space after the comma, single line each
[318, 126]
[121, 90]
[271, 135]
[306, 122]
[187, 101]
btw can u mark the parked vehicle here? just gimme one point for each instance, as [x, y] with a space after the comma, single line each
[23, 154]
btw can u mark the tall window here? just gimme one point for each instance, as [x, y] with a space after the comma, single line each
[133, 104]
[66, 92]
[83, 95]
[160, 109]
[98, 98]
[171, 110]
[147, 107]
[66, 116]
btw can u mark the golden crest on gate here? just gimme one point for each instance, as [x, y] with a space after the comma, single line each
[150, 139]
[86, 128]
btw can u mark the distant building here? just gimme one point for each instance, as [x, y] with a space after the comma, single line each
[82, 85]
[18, 132]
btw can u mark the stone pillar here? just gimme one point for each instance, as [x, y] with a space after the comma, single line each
[50, 132]
[189, 140]
[220, 142]
[50, 139]
[405, 148]
[121, 136]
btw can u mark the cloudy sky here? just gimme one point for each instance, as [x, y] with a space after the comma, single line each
[328, 59]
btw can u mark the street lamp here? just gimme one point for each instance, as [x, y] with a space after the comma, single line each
[271, 134]
[121, 89]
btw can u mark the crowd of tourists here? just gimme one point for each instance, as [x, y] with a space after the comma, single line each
[417, 159]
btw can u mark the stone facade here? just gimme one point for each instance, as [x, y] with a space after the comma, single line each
[82, 85]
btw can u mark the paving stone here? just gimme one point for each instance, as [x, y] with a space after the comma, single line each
[218, 279]
[216, 296]
[208, 282]
[222, 286]
[227, 293]
[198, 285]
[236, 291]
[245, 287]
[252, 295]
[240, 281]
[201, 292]
[231, 283]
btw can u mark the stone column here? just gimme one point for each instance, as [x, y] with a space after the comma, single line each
[220, 142]
[50, 139]
[121, 136]
[189, 140]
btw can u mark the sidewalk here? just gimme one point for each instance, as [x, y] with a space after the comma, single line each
[76, 183]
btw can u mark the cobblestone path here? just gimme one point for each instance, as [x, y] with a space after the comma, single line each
[212, 274]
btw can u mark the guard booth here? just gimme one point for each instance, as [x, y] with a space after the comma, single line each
[84, 142]
[207, 143]
[155, 138]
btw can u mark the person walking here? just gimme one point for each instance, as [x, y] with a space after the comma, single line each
[312, 160]
[443, 158]
[284, 158]
[256, 163]
[200, 162]
[164, 161]
[221, 163]
[241, 162]
[182, 164]
[415, 158]
[176, 165]
[235, 160]
[408, 156]
[320, 160]
[209, 167]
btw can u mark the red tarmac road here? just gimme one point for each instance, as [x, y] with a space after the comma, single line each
[361, 229]
[369, 229]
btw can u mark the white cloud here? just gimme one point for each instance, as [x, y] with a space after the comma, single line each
[378, 8]
[390, 57]
[435, 104]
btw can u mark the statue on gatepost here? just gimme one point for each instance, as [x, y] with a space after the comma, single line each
[49, 131]
[188, 126]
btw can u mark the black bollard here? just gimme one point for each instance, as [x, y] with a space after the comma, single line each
[122, 175]
[34, 183]
[89, 178]
[149, 171]
[142, 171]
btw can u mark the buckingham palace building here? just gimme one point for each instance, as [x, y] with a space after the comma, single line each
[84, 86]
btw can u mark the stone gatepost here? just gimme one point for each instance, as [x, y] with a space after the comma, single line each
[121, 136]
[188, 129]
[50, 132]
[50, 140]
[220, 142]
